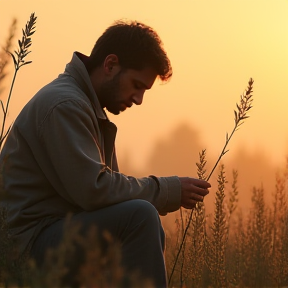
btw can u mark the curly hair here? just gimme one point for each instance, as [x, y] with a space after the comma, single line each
[136, 45]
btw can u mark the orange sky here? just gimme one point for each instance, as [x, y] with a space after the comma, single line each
[214, 47]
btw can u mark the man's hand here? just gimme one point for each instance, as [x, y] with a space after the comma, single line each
[192, 191]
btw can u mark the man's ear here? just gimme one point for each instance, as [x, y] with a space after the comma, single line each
[111, 63]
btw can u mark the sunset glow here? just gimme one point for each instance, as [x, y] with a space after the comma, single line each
[214, 47]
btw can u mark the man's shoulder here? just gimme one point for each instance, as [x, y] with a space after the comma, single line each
[62, 89]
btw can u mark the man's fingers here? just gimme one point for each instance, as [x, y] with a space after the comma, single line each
[189, 204]
[190, 200]
[193, 191]
[190, 188]
[200, 183]
[197, 197]
[199, 191]
[195, 182]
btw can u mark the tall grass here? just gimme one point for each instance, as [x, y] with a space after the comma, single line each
[216, 241]
[240, 114]
[240, 250]
[4, 56]
[19, 60]
[278, 265]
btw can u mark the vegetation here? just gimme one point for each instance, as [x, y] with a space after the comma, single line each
[243, 107]
[19, 61]
[229, 249]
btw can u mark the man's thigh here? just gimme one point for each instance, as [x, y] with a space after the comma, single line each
[134, 224]
[120, 220]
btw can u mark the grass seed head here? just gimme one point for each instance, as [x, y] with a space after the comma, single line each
[24, 43]
[245, 104]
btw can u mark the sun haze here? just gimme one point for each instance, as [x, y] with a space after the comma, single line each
[214, 47]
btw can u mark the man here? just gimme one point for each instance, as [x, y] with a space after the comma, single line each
[59, 157]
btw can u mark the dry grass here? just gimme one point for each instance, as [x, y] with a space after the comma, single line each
[19, 61]
[245, 104]
[239, 250]
[4, 56]
[216, 242]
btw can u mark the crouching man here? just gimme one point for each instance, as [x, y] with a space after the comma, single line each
[59, 157]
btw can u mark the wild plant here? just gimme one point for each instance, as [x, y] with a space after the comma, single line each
[236, 253]
[183, 266]
[172, 246]
[245, 104]
[4, 56]
[195, 258]
[235, 234]
[257, 242]
[233, 195]
[278, 264]
[217, 241]
[196, 234]
[19, 61]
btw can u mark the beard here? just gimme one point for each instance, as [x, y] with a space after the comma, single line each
[109, 94]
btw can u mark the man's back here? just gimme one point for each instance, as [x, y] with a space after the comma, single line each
[28, 173]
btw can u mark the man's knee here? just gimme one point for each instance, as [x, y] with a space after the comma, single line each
[145, 214]
[143, 206]
[144, 211]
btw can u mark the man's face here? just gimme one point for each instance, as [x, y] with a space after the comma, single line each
[126, 88]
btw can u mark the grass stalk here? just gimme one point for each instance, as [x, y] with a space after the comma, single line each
[240, 115]
[217, 244]
[19, 61]
[4, 56]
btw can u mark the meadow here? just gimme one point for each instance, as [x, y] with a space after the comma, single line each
[222, 246]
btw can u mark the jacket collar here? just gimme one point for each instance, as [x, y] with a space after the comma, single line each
[77, 70]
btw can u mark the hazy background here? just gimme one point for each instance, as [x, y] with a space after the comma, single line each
[214, 47]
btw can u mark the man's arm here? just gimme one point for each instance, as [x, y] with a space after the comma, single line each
[77, 171]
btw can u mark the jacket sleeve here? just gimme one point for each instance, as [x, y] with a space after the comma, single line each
[77, 171]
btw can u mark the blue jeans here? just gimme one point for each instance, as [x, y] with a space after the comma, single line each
[135, 224]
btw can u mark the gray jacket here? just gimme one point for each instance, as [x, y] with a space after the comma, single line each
[59, 157]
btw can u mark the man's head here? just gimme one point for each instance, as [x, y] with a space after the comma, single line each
[125, 62]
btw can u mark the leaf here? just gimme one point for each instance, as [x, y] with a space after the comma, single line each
[14, 59]
[2, 105]
[27, 40]
[235, 113]
[25, 63]
[25, 54]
